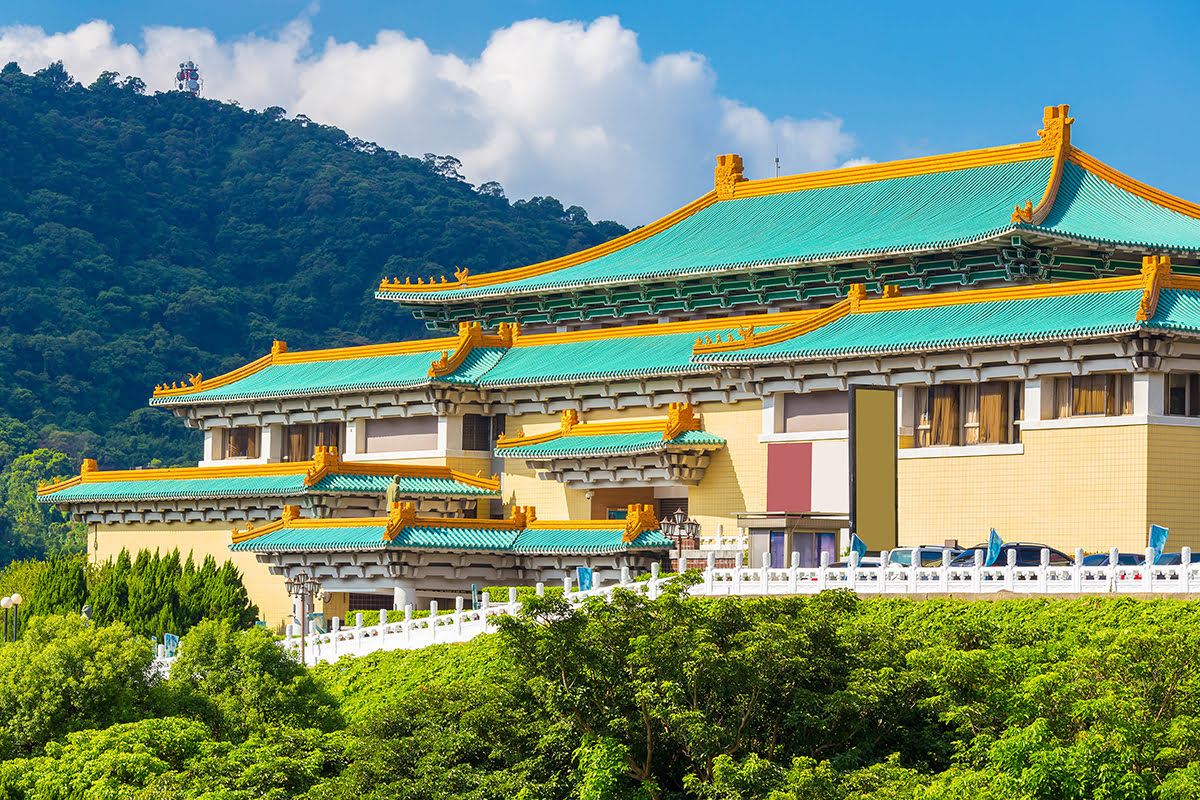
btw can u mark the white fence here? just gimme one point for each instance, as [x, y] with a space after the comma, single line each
[463, 624]
[975, 578]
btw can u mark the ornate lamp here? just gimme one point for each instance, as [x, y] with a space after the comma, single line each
[304, 586]
[680, 528]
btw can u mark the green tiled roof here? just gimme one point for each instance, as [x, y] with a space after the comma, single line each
[370, 537]
[608, 444]
[371, 374]
[575, 540]
[941, 327]
[895, 215]
[256, 486]
[1090, 208]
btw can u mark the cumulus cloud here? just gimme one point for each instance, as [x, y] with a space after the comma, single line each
[569, 109]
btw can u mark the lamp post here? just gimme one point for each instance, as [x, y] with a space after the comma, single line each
[16, 603]
[303, 586]
[6, 604]
[679, 528]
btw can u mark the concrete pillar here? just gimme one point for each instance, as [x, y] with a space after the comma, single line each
[271, 444]
[403, 593]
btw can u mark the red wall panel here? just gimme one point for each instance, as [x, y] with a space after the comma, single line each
[789, 477]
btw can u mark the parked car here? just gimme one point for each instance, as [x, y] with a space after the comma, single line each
[1123, 559]
[926, 555]
[1174, 559]
[1029, 554]
[867, 561]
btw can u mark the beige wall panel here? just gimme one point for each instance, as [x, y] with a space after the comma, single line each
[1173, 469]
[200, 539]
[1072, 487]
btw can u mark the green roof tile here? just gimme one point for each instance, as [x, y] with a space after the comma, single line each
[375, 373]
[608, 444]
[256, 486]
[1090, 208]
[370, 537]
[907, 214]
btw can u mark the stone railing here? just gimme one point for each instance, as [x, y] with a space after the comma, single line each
[460, 625]
[974, 578]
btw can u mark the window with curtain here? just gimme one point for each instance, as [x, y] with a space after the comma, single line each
[296, 443]
[241, 442]
[968, 413]
[1102, 395]
[328, 434]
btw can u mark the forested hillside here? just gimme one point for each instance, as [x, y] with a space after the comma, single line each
[146, 236]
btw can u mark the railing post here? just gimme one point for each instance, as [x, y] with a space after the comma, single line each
[383, 618]
[540, 588]
[1185, 569]
[945, 573]
[913, 577]
[709, 575]
[853, 568]
[625, 576]
[358, 631]
[884, 557]
[1077, 571]
[737, 577]
[794, 574]
[822, 570]
[652, 589]
[512, 598]
[977, 572]
[766, 573]
[1148, 570]
[1043, 570]
[408, 622]
[1114, 566]
[566, 585]
[1010, 569]
[432, 620]
[458, 618]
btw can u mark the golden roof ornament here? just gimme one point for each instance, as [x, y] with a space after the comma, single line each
[728, 174]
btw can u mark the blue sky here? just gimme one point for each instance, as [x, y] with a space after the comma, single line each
[902, 79]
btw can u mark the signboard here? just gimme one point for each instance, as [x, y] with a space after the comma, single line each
[874, 449]
[585, 578]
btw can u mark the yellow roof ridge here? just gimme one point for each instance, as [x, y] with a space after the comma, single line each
[662, 328]
[1132, 185]
[321, 463]
[680, 417]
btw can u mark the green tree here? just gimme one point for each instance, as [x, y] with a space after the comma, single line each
[66, 675]
[35, 529]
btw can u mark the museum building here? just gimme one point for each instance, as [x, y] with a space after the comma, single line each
[1035, 312]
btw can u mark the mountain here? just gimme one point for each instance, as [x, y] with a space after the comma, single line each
[143, 237]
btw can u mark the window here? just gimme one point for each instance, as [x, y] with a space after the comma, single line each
[1183, 394]
[968, 413]
[1104, 395]
[398, 434]
[241, 443]
[480, 432]
[816, 411]
[301, 441]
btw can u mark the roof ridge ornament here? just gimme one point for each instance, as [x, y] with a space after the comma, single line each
[1055, 136]
[324, 461]
[568, 420]
[680, 417]
[400, 516]
[1056, 128]
[638, 519]
[523, 515]
[470, 336]
[1156, 276]
[856, 295]
[727, 175]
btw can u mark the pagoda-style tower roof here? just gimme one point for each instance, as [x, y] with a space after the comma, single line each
[1041, 209]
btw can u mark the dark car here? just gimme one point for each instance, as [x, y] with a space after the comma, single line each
[1174, 559]
[1029, 554]
[1123, 560]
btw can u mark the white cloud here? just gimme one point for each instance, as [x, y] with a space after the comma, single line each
[568, 109]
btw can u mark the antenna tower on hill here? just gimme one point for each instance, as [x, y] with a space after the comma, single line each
[188, 78]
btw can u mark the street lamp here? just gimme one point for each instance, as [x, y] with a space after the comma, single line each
[303, 586]
[679, 528]
[13, 601]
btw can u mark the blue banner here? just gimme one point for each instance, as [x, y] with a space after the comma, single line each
[170, 644]
[857, 545]
[585, 578]
[993, 551]
[1158, 540]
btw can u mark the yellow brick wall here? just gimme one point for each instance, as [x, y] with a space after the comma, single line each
[200, 539]
[1174, 484]
[1072, 487]
[520, 485]
[736, 478]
